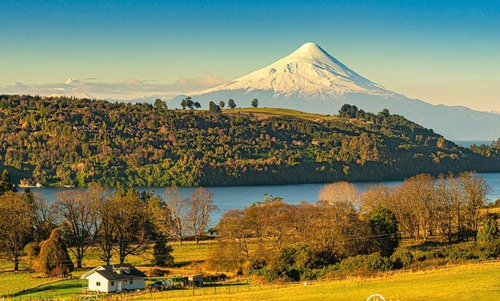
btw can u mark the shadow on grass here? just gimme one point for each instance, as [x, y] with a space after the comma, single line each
[62, 285]
[182, 264]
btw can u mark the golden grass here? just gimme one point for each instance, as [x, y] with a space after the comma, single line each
[473, 281]
[270, 112]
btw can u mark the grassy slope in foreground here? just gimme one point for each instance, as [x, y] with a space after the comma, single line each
[464, 282]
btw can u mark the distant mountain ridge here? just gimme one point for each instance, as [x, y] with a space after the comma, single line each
[311, 80]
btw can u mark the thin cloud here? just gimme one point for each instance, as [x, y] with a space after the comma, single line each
[127, 89]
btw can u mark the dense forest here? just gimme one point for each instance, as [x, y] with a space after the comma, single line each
[69, 141]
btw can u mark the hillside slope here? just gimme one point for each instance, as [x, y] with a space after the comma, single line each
[66, 141]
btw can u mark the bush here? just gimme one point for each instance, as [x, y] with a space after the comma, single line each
[32, 251]
[158, 272]
[402, 257]
[474, 250]
[364, 264]
[281, 273]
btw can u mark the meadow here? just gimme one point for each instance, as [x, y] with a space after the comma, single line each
[471, 281]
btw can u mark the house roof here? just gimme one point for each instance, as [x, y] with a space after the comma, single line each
[110, 272]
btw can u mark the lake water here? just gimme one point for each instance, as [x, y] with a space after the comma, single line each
[240, 196]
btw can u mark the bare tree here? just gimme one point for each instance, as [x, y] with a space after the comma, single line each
[107, 235]
[169, 215]
[199, 209]
[44, 217]
[15, 224]
[475, 191]
[81, 213]
[340, 192]
[232, 227]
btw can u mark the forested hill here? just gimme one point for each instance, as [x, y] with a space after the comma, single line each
[67, 141]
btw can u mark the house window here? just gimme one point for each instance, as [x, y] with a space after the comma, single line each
[131, 281]
[112, 283]
[97, 284]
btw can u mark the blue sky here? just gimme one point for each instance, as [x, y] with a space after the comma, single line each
[439, 51]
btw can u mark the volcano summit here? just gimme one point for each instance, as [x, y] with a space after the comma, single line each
[311, 80]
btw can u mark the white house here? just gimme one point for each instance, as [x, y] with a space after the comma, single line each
[114, 278]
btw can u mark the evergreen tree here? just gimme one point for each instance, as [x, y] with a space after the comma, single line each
[160, 104]
[162, 252]
[5, 183]
[214, 108]
[489, 230]
[384, 229]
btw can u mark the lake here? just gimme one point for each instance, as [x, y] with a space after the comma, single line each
[230, 197]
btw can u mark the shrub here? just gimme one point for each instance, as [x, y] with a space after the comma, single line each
[365, 263]
[402, 257]
[474, 250]
[281, 273]
[32, 251]
[158, 272]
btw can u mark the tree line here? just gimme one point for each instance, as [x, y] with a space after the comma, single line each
[60, 141]
[121, 223]
[345, 223]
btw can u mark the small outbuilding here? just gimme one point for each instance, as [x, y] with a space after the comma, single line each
[114, 278]
[195, 280]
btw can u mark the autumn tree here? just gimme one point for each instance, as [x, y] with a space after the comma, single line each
[340, 192]
[475, 191]
[107, 234]
[199, 207]
[15, 224]
[169, 214]
[43, 215]
[130, 217]
[233, 227]
[81, 214]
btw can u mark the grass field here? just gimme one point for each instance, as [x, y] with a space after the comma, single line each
[269, 112]
[185, 256]
[11, 283]
[477, 281]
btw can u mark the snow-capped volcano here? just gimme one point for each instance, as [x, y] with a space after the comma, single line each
[311, 80]
[308, 72]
